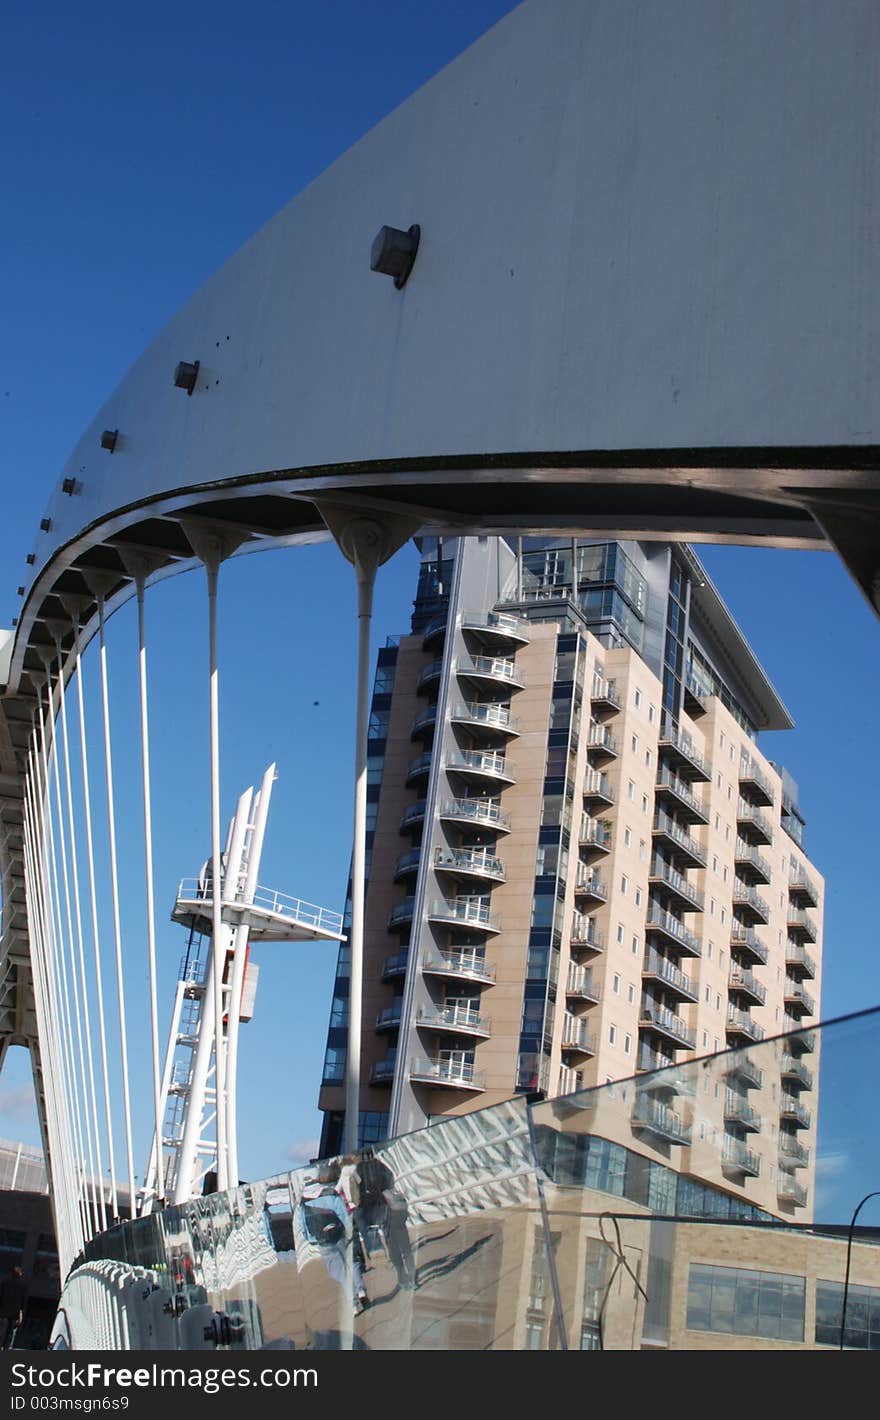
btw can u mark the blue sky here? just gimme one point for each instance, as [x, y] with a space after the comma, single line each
[143, 146]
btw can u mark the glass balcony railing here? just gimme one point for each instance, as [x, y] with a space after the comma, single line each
[797, 999]
[382, 1072]
[474, 810]
[426, 721]
[659, 968]
[496, 626]
[802, 886]
[401, 912]
[673, 881]
[412, 815]
[494, 668]
[585, 934]
[745, 942]
[800, 921]
[601, 740]
[792, 1152]
[591, 885]
[465, 911]
[477, 862]
[579, 982]
[460, 1074]
[575, 1036]
[595, 833]
[741, 1066]
[482, 763]
[735, 1155]
[466, 962]
[747, 900]
[738, 1109]
[660, 921]
[598, 786]
[454, 1018]
[666, 827]
[657, 1118]
[803, 1042]
[678, 747]
[395, 965]
[790, 1108]
[750, 861]
[755, 780]
[604, 693]
[791, 1068]
[799, 957]
[752, 823]
[408, 863]
[661, 1019]
[419, 767]
[742, 982]
[790, 1190]
[431, 672]
[389, 1019]
[486, 716]
[741, 1023]
[687, 803]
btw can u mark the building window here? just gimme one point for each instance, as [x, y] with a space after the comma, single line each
[638, 897]
[635, 946]
[612, 1035]
[624, 884]
[627, 838]
[648, 758]
[630, 993]
[643, 850]
[638, 698]
[651, 713]
[615, 984]
[634, 743]
[620, 931]
[630, 790]
[627, 1044]
[644, 803]
[862, 1316]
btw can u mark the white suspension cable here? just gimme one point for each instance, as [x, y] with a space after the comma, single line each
[93, 898]
[60, 847]
[114, 889]
[92, 1101]
[148, 863]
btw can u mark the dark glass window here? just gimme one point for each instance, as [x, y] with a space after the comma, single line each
[862, 1316]
[743, 1302]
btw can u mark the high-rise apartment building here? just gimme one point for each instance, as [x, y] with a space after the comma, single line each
[582, 865]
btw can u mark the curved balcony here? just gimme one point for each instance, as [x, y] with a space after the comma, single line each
[480, 766]
[401, 914]
[418, 768]
[601, 743]
[604, 696]
[597, 788]
[430, 674]
[793, 1072]
[799, 958]
[579, 984]
[670, 788]
[744, 941]
[382, 1072]
[389, 1019]
[740, 1024]
[738, 1111]
[801, 924]
[469, 863]
[487, 813]
[752, 824]
[489, 671]
[425, 724]
[575, 1036]
[435, 632]
[657, 969]
[407, 864]
[585, 935]
[453, 1074]
[751, 866]
[470, 912]
[686, 897]
[797, 1000]
[395, 966]
[464, 964]
[495, 719]
[666, 1023]
[595, 835]
[496, 628]
[749, 904]
[755, 782]
[652, 1117]
[663, 924]
[689, 853]
[736, 1158]
[742, 983]
[791, 1153]
[791, 1110]
[590, 886]
[413, 816]
[460, 1020]
[801, 887]
[679, 750]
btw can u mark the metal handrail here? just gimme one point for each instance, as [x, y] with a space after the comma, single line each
[745, 937]
[464, 962]
[495, 716]
[600, 737]
[674, 879]
[664, 824]
[495, 621]
[596, 781]
[604, 690]
[280, 904]
[452, 1071]
[667, 923]
[739, 977]
[592, 884]
[660, 966]
[671, 734]
[489, 761]
[735, 1107]
[741, 1021]
[487, 811]
[668, 1020]
[464, 1016]
[580, 981]
[666, 779]
[742, 893]
[476, 859]
[734, 1151]
[652, 1113]
[497, 667]
[464, 909]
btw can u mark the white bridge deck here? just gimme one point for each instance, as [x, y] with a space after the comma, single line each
[270, 916]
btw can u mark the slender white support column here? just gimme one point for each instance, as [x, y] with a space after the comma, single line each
[154, 1186]
[218, 937]
[140, 584]
[114, 890]
[96, 940]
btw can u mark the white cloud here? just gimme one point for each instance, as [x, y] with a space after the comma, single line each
[299, 1151]
[18, 1102]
